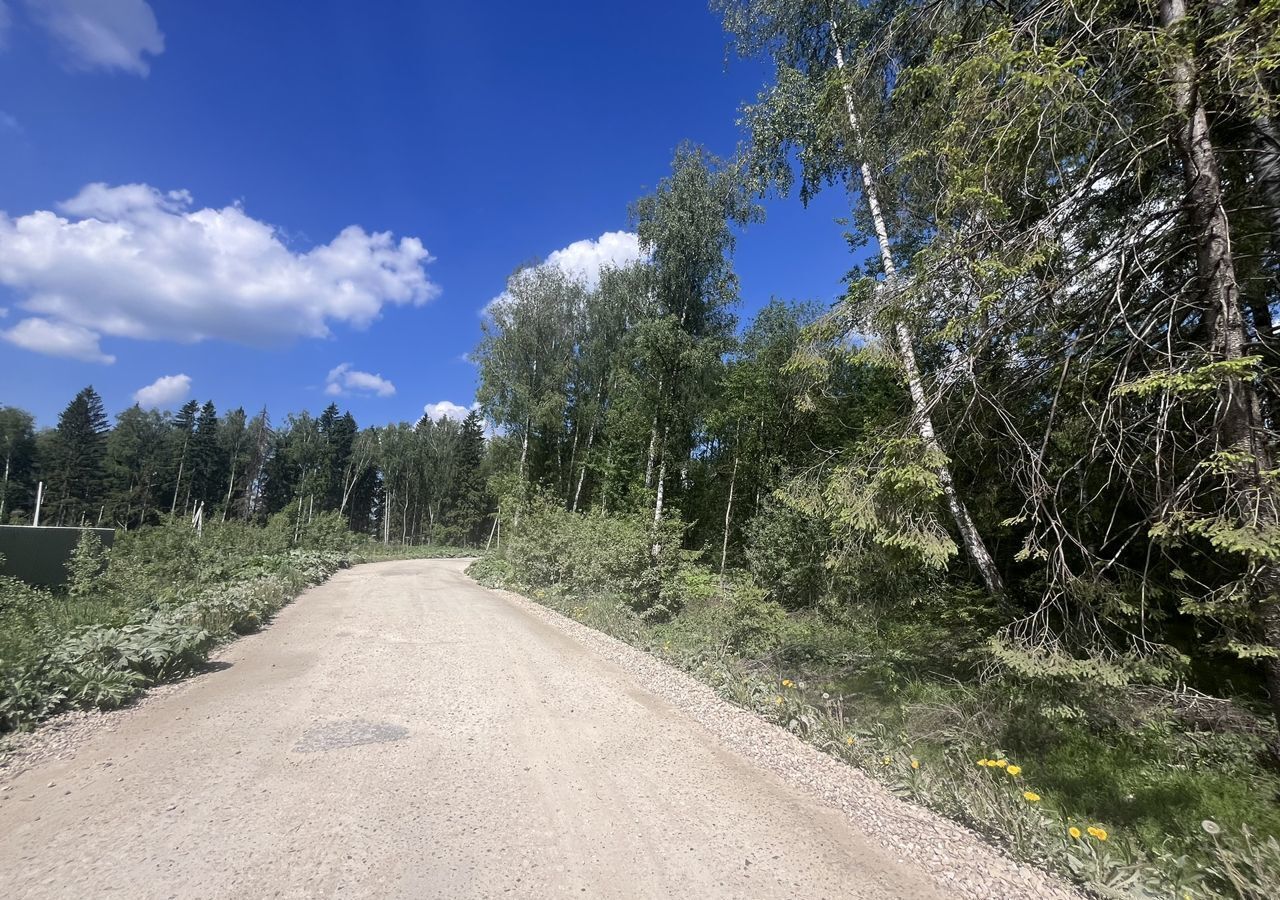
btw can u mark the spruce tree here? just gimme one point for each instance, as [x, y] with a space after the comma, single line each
[76, 464]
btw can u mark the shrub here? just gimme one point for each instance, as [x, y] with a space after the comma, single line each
[87, 563]
[626, 556]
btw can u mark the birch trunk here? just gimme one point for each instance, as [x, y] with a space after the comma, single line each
[1239, 422]
[969, 535]
[4, 491]
[182, 462]
[586, 455]
[728, 515]
[653, 439]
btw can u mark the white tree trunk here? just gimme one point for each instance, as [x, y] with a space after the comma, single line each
[728, 516]
[4, 491]
[972, 541]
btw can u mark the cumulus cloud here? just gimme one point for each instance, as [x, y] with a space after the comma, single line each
[343, 380]
[585, 259]
[447, 410]
[100, 34]
[164, 392]
[54, 338]
[132, 261]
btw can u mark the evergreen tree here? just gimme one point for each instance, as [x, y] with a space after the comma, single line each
[179, 477]
[76, 471]
[206, 460]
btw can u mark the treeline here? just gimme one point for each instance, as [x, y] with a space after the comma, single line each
[1052, 376]
[409, 483]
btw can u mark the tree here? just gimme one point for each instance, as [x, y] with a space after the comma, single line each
[807, 42]
[18, 450]
[135, 459]
[184, 425]
[686, 226]
[76, 462]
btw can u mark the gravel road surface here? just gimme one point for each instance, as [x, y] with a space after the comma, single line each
[402, 732]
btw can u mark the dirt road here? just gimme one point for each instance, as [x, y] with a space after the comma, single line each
[401, 732]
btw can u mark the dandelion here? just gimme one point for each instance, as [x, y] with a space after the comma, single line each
[984, 762]
[1097, 833]
[848, 742]
[1000, 763]
[887, 760]
[915, 763]
[1074, 832]
[1014, 770]
[1031, 797]
[1211, 827]
[777, 700]
[788, 683]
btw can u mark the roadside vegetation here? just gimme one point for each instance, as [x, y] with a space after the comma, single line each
[153, 607]
[1001, 524]
[1134, 792]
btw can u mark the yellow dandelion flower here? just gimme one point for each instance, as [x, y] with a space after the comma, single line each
[1074, 832]
[887, 760]
[777, 700]
[1031, 796]
[984, 762]
[1000, 763]
[848, 742]
[1098, 833]
[915, 763]
[787, 683]
[1014, 770]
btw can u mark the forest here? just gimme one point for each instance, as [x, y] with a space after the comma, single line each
[411, 483]
[1012, 498]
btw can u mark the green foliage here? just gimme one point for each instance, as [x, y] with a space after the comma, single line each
[169, 596]
[629, 557]
[88, 561]
[786, 550]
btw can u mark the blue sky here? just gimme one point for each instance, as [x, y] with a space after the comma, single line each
[255, 135]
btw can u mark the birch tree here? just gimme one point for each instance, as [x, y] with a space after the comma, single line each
[807, 43]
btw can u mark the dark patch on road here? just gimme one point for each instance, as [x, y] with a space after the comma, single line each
[336, 735]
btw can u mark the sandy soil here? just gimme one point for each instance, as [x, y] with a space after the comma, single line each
[402, 732]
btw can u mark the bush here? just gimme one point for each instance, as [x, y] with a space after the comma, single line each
[600, 555]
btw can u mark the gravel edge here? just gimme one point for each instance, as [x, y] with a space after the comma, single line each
[957, 859]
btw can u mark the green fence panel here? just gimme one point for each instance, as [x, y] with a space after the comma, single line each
[39, 555]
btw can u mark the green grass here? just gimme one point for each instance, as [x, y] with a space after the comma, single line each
[909, 686]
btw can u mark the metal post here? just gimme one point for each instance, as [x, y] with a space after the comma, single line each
[39, 499]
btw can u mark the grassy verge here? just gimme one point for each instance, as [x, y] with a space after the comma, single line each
[164, 600]
[1118, 793]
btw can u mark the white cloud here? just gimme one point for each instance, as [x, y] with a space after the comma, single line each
[585, 258]
[165, 391]
[130, 261]
[57, 339]
[447, 410]
[344, 380]
[101, 34]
